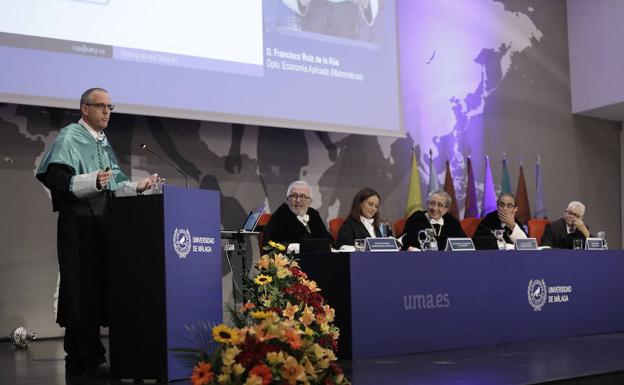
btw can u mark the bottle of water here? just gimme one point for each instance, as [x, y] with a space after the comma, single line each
[603, 235]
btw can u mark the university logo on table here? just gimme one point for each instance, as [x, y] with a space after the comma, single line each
[536, 293]
[182, 242]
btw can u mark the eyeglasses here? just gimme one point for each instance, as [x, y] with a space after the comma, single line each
[570, 213]
[101, 106]
[301, 197]
[436, 204]
[504, 205]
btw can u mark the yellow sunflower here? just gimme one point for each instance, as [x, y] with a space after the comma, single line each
[261, 314]
[262, 279]
[276, 245]
[224, 334]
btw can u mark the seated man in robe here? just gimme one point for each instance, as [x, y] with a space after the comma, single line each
[437, 218]
[562, 232]
[295, 220]
[504, 218]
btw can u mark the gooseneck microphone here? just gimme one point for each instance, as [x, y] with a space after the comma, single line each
[144, 146]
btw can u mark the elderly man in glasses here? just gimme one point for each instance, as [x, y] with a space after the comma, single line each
[295, 220]
[562, 232]
[82, 173]
[436, 218]
[504, 218]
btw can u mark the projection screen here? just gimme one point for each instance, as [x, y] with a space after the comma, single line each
[330, 65]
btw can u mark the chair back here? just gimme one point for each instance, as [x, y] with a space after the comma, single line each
[469, 225]
[334, 226]
[264, 219]
[399, 225]
[536, 228]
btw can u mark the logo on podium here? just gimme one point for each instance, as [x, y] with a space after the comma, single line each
[182, 242]
[536, 293]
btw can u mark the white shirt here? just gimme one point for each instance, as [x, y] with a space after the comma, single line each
[368, 224]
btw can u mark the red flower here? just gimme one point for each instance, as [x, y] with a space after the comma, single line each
[253, 352]
[328, 342]
[262, 371]
[202, 374]
[295, 271]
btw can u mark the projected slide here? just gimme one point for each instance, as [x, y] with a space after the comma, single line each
[317, 64]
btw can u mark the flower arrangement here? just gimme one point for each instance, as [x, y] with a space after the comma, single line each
[283, 333]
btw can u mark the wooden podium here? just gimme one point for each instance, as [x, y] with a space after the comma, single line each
[164, 272]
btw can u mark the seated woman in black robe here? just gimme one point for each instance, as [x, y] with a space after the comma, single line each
[363, 219]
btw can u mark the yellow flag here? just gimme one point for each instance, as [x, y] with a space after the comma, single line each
[414, 195]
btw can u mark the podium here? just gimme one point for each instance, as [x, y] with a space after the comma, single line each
[164, 272]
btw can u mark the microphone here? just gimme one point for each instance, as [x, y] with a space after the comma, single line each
[144, 146]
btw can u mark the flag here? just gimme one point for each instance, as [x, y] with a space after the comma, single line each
[450, 189]
[489, 193]
[414, 195]
[540, 207]
[505, 180]
[433, 175]
[470, 210]
[522, 200]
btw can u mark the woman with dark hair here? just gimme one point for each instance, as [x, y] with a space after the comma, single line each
[363, 219]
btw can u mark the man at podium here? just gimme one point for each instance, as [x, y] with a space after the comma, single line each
[82, 173]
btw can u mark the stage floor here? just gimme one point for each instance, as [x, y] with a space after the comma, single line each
[599, 356]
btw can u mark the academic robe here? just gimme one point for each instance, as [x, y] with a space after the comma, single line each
[351, 230]
[483, 237]
[556, 235]
[418, 221]
[285, 228]
[81, 227]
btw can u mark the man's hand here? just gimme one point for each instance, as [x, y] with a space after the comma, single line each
[508, 217]
[102, 178]
[578, 223]
[148, 182]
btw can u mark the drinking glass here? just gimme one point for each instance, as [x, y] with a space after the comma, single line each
[577, 244]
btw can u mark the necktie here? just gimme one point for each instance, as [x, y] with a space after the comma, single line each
[437, 228]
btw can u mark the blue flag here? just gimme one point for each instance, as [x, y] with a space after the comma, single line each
[505, 180]
[540, 207]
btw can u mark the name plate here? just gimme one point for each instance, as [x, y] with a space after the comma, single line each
[526, 244]
[594, 244]
[381, 244]
[459, 244]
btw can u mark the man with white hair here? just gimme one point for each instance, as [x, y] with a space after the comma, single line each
[296, 220]
[562, 232]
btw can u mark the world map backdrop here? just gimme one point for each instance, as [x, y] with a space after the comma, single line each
[479, 77]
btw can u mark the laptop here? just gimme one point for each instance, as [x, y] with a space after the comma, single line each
[249, 226]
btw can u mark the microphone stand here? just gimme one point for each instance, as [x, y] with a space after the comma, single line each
[144, 146]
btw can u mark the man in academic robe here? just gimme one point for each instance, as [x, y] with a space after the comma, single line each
[503, 218]
[295, 220]
[82, 173]
[562, 232]
[437, 218]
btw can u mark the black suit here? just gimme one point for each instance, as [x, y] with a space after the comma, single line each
[419, 221]
[351, 230]
[483, 237]
[556, 235]
[285, 228]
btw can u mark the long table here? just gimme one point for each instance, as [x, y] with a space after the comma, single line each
[400, 303]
